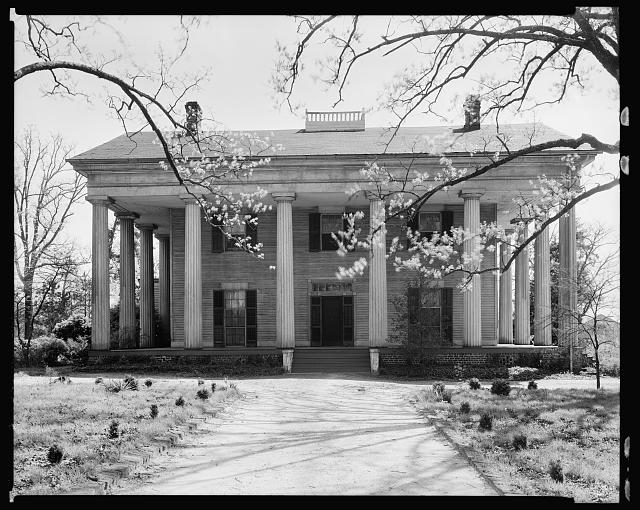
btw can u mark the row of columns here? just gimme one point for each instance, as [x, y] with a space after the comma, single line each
[100, 273]
[285, 323]
[542, 288]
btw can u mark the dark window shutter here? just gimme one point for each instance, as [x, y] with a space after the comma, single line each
[251, 230]
[413, 303]
[316, 321]
[314, 231]
[252, 318]
[218, 318]
[446, 314]
[347, 320]
[447, 222]
[217, 237]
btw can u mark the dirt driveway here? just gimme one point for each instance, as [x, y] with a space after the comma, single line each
[318, 435]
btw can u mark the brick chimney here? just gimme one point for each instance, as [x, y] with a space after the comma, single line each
[471, 114]
[194, 116]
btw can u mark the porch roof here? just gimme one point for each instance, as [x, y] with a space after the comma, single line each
[298, 143]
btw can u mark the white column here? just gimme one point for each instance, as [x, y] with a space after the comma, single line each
[100, 274]
[146, 284]
[522, 331]
[127, 316]
[163, 289]
[567, 291]
[471, 297]
[192, 275]
[285, 311]
[542, 290]
[505, 305]
[377, 275]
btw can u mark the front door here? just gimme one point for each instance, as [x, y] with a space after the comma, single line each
[331, 320]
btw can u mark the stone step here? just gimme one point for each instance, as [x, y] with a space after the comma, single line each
[90, 488]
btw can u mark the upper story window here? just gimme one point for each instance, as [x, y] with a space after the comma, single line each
[321, 226]
[330, 223]
[429, 222]
[220, 242]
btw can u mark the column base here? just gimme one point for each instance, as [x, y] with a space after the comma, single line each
[287, 360]
[374, 359]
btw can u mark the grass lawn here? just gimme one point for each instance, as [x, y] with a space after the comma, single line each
[77, 416]
[578, 428]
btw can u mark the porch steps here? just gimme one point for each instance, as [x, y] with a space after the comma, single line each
[329, 360]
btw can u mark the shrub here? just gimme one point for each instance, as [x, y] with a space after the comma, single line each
[532, 385]
[465, 408]
[54, 455]
[474, 384]
[113, 430]
[49, 350]
[555, 471]
[180, 401]
[74, 327]
[154, 410]
[200, 382]
[438, 388]
[203, 394]
[522, 373]
[501, 387]
[446, 396]
[148, 383]
[98, 380]
[519, 442]
[62, 379]
[213, 387]
[130, 383]
[486, 421]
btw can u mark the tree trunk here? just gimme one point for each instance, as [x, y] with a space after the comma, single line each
[597, 369]
[28, 316]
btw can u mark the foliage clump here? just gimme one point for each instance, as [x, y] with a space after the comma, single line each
[465, 408]
[180, 401]
[474, 383]
[98, 380]
[446, 396]
[154, 410]
[54, 455]
[486, 421]
[501, 387]
[555, 471]
[213, 387]
[74, 327]
[200, 382]
[203, 394]
[532, 385]
[438, 388]
[148, 383]
[113, 431]
[130, 383]
[519, 442]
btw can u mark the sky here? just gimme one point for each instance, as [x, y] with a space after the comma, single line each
[241, 53]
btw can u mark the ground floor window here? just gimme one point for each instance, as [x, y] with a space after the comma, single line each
[235, 318]
[430, 314]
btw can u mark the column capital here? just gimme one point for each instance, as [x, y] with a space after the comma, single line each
[146, 226]
[467, 193]
[515, 221]
[126, 215]
[372, 196]
[100, 200]
[161, 236]
[188, 199]
[284, 196]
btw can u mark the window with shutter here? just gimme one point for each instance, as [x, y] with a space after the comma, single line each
[330, 223]
[221, 243]
[430, 316]
[235, 318]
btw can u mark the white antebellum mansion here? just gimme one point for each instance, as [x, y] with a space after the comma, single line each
[215, 300]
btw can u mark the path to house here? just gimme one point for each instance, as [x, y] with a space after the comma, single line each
[318, 435]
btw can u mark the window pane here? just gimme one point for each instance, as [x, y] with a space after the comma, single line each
[430, 298]
[237, 229]
[331, 223]
[432, 317]
[429, 222]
